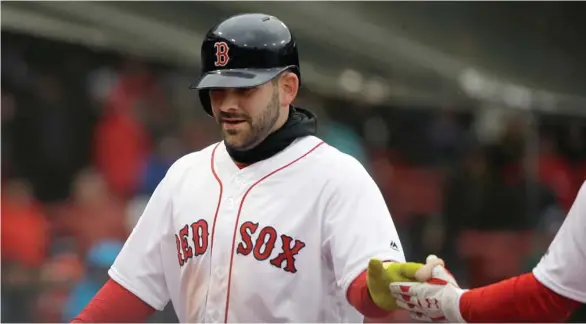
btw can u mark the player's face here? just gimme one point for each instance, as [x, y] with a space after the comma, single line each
[246, 116]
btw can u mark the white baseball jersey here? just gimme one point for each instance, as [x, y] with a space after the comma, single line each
[563, 267]
[278, 241]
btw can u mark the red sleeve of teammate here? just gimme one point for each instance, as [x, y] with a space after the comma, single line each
[114, 304]
[518, 299]
[359, 297]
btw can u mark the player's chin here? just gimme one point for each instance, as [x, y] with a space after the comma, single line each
[238, 140]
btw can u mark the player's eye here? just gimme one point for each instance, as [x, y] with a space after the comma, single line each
[246, 91]
[217, 94]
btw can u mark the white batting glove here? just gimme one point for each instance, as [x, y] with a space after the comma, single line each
[437, 300]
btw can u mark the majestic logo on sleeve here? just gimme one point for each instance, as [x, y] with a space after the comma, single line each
[394, 246]
[222, 57]
[193, 240]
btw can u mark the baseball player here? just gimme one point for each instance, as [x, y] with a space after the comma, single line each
[554, 292]
[269, 225]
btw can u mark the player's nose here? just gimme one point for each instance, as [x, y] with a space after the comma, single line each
[224, 99]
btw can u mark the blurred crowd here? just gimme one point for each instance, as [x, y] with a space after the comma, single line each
[88, 134]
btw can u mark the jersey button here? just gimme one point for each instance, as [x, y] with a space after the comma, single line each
[230, 201]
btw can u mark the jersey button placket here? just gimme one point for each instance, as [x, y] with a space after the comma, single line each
[238, 184]
[225, 232]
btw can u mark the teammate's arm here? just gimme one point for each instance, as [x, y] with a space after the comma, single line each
[357, 227]
[552, 292]
[555, 289]
[519, 299]
[137, 286]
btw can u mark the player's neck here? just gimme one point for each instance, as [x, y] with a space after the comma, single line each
[282, 119]
[299, 123]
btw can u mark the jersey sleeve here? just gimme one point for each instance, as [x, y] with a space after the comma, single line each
[357, 224]
[563, 267]
[139, 266]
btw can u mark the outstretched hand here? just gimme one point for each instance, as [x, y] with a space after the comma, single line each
[425, 273]
[434, 298]
[381, 274]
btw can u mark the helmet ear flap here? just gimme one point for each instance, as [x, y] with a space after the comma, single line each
[204, 98]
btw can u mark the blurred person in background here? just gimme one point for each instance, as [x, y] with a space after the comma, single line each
[100, 83]
[121, 144]
[555, 172]
[548, 170]
[346, 140]
[196, 134]
[447, 137]
[575, 145]
[478, 200]
[25, 239]
[467, 189]
[426, 236]
[93, 213]
[509, 146]
[99, 259]
[59, 274]
[547, 227]
[8, 112]
[52, 136]
[122, 138]
[167, 151]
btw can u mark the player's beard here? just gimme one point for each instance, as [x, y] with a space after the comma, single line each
[258, 129]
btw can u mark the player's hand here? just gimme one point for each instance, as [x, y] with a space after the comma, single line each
[381, 274]
[436, 300]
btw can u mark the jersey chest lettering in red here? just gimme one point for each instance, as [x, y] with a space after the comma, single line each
[200, 237]
[192, 241]
[264, 245]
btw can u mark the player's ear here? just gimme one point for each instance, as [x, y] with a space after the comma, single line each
[288, 87]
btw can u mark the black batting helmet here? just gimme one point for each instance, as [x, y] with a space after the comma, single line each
[244, 51]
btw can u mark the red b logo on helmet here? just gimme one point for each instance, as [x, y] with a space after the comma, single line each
[222, 57]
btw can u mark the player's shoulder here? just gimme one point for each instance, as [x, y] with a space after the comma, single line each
[194, 159]
[335, 164]
[580, 203]
[582, 193]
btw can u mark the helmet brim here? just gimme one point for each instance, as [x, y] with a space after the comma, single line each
[236, 78]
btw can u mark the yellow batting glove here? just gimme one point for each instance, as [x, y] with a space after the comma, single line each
[380, 275]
